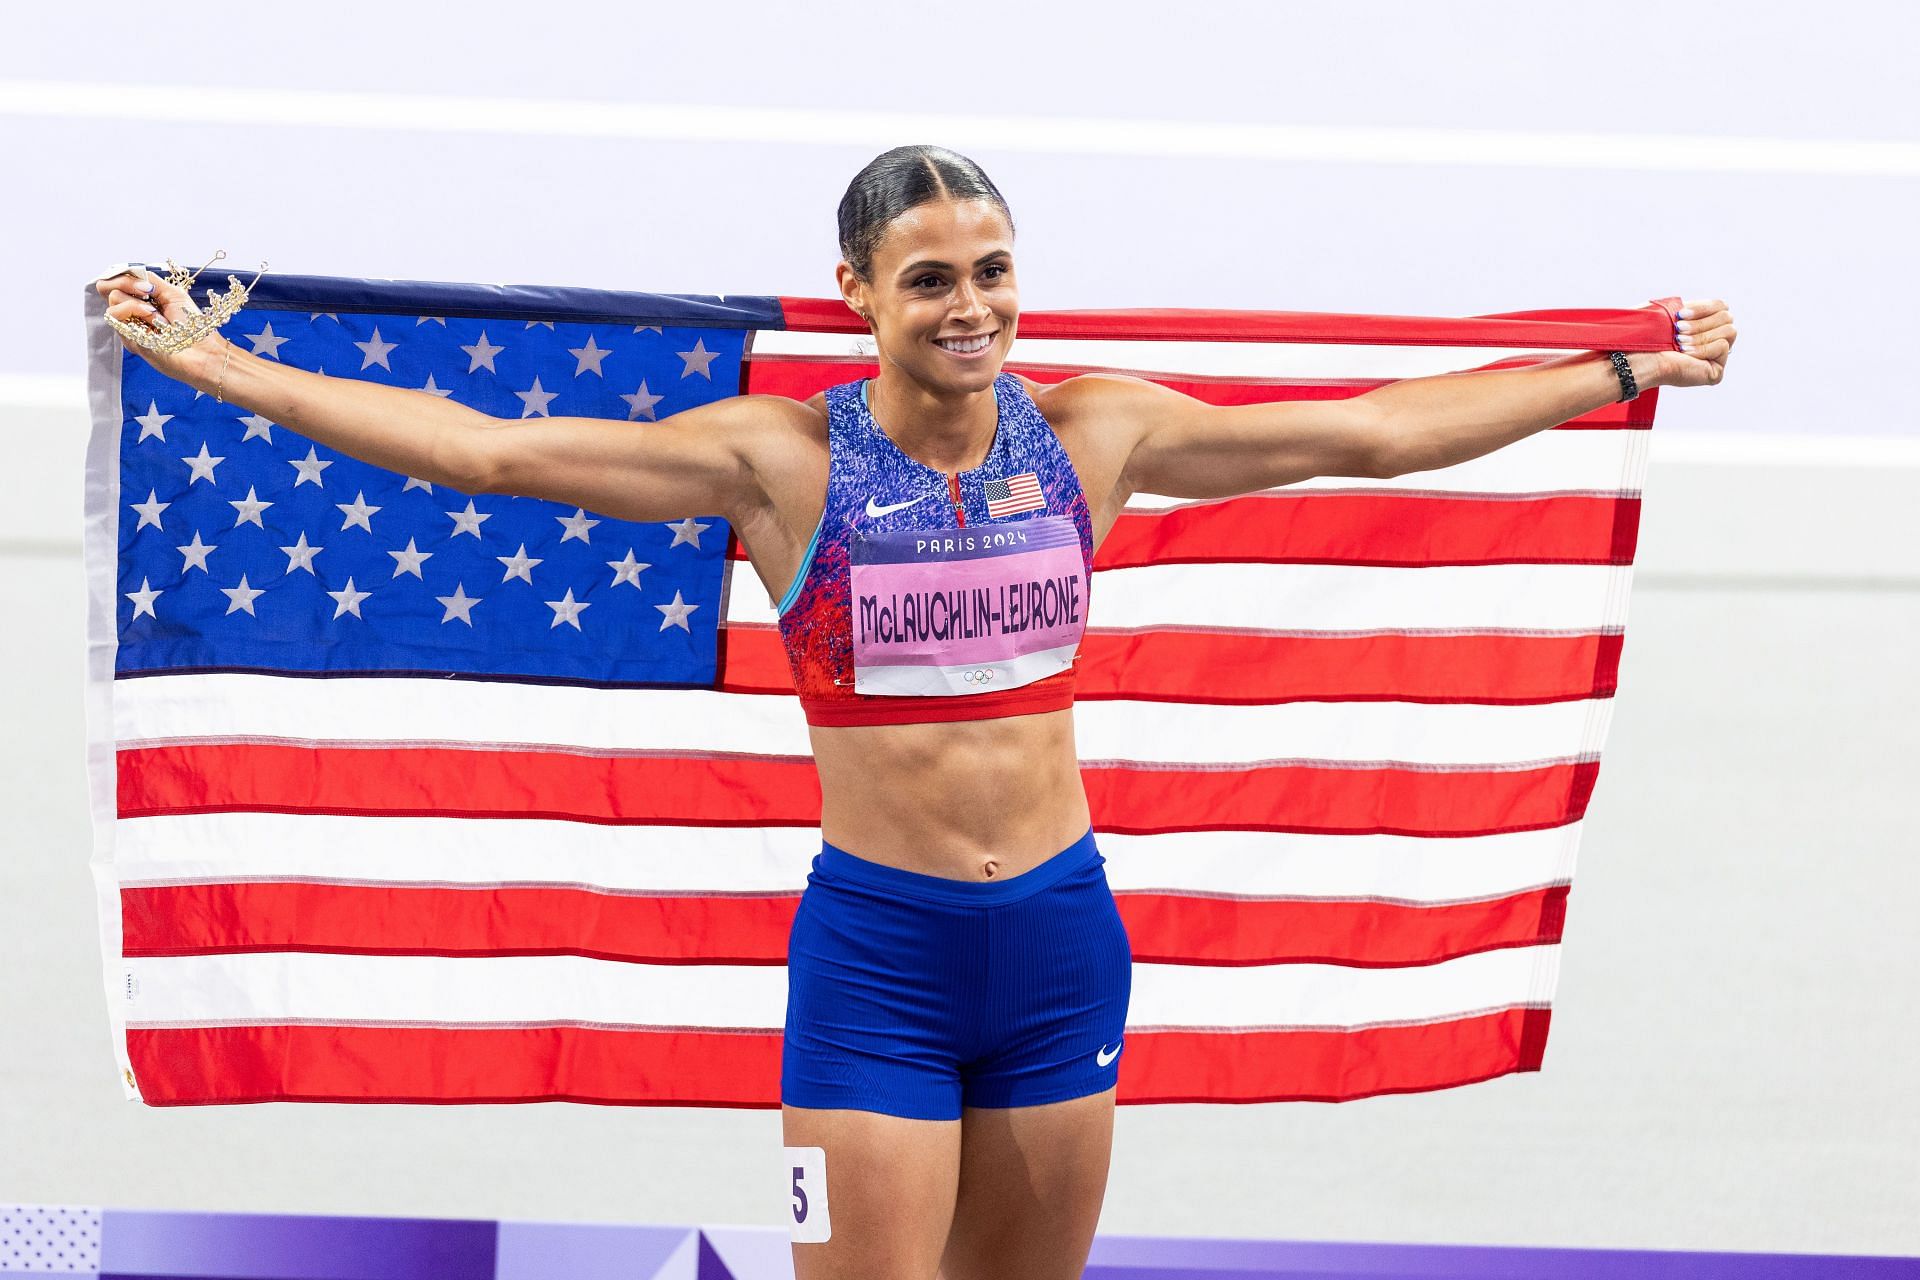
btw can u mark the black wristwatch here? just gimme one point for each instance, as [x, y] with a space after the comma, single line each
[1628, 387]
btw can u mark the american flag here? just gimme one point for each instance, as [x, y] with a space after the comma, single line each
[404, 794]
[1015, 493]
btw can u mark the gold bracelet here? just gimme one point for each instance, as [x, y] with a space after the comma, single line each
[220, 390]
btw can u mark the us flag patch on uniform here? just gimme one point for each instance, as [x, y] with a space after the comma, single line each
[1015, 493]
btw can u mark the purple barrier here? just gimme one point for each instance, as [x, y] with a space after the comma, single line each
[130, 1244]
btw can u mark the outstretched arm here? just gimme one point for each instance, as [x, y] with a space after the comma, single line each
[1183, 448]
[691, 463]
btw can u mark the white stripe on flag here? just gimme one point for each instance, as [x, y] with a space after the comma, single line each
[1578, 598]
[1290, 361]
[662, 858]
[484, 714]
[279, 987]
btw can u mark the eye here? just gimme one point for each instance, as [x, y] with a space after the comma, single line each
[922, 281]
[999, 268]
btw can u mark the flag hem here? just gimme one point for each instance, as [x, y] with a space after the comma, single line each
[100, 553]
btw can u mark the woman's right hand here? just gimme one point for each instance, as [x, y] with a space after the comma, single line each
[139, 297]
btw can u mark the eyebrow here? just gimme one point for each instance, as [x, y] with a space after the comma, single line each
[947, 266]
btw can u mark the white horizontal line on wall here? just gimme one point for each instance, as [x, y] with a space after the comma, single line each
[22, 391]
[1757, 448]
[687, 122]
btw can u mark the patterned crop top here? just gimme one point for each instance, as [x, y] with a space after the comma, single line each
[928, 595]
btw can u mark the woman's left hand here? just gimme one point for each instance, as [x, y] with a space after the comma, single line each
[1706, 337]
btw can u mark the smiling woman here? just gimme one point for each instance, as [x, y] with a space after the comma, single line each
[958, 973]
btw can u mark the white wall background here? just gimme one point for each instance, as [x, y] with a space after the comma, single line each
[1734, 1036]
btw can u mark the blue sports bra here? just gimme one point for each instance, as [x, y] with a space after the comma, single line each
[928, 595]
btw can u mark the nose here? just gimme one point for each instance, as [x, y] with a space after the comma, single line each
[969, 305]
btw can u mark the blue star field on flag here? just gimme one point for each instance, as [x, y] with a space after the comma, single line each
[247, 546]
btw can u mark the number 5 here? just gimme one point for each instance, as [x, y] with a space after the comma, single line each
[799, 1194]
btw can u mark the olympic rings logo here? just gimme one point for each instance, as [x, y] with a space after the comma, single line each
[979, 675]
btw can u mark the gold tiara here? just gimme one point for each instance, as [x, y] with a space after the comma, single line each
[176, 335]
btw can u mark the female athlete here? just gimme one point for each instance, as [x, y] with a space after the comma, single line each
[958, 973]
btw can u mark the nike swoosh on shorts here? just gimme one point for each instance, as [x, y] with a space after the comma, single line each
[1103, 1057]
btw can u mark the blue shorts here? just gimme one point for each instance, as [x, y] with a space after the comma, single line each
[914, 995]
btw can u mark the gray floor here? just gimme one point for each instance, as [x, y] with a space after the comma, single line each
[1731, 1064]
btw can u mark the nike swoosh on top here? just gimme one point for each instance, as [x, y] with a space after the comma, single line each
[881, 511]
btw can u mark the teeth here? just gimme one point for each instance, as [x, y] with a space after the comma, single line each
[965, 345]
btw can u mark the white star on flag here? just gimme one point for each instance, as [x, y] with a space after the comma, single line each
[357, 512]
[143, 600]
[347, 600]
[627, 570]
[375, 352]
[265, 344]
[675, 614]
[697, 359]
[247, 511]
[590, 354]
[257, 426]
[640, 402]
[534, 400]
[149, 511]
[300, 555]
[152, 421]
[467, 521]
[202, 466]
[688, 530]
[196, 553]
[459, 605]
[410, 560]
[519, 565]
[242, 597]
[482, 354]
[566, 610]
[576, 525]
[309, 468]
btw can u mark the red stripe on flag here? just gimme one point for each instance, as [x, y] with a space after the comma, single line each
[1375, 529]
[783, 791]
[437, 920]
[464, 783]
[1314, 799]
[1647, 328]
[689, 1067]
[643, 1066]
[1185, 665]
[748, 928]
[1335, 1065]
[1388, 530]
[1174, 928]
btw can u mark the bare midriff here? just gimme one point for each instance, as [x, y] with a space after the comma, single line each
[964, 800]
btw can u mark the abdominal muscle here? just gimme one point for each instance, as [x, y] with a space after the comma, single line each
[963, 800]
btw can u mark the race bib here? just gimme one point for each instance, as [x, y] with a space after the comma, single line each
[966, 610]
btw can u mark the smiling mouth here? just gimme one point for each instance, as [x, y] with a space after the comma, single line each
[965, 346]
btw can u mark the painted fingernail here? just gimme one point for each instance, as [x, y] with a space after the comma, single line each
[1686, 315]
[1683, 326]
[146, 287]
